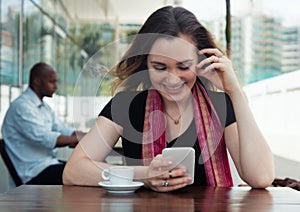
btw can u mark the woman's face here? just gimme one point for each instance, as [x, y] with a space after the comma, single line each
[171, 65]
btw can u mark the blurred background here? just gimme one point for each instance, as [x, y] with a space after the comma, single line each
[84, 39]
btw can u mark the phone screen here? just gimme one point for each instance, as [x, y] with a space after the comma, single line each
[182, 157]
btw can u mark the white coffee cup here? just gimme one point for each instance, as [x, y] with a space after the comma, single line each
[118, 175]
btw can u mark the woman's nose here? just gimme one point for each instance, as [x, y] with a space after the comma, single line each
[173, 77]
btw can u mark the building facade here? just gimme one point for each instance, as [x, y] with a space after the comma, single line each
[261, 46]
[290, 49]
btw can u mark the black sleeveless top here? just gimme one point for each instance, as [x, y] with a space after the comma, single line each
[127, 109]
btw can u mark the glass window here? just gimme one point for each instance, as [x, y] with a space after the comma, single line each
[9, 55]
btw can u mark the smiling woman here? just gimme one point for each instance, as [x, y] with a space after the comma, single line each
[164, 97]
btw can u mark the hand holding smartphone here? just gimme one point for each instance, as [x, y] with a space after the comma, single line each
[182, 157]
[202, 57]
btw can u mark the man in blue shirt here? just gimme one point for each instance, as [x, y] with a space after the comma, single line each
[32, 131]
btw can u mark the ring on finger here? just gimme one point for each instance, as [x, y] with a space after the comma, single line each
[165, 183]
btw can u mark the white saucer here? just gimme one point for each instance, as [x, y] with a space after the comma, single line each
[120, 189]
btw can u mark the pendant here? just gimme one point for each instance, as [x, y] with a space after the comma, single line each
[176, 121]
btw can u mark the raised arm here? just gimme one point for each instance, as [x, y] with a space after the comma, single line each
[247, 146]
[245, 142]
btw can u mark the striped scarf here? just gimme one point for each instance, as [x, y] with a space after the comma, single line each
[209, 132]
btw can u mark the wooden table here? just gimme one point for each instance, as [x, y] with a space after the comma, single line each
[76, 198]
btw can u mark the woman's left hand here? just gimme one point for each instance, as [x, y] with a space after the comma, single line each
[218, 69]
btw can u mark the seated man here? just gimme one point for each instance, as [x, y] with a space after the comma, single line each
[32, 131]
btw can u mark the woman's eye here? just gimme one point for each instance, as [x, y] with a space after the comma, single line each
[184, 68]
[160, 68]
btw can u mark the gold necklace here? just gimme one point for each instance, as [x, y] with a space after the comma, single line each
[176, 121]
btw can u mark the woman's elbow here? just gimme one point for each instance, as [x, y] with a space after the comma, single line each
[67, 177]
[262, 181]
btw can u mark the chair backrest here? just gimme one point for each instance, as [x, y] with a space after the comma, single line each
[11, 169]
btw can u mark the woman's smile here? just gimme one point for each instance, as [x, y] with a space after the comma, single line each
[174, 89]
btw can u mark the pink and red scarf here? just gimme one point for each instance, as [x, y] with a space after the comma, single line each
[209, 132]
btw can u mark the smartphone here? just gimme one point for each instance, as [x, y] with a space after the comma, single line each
[203, 57]
[182, 157]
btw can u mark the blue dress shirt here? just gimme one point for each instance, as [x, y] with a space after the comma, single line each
[30, 130]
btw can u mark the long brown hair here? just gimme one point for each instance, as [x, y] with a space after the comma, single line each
[167, 21]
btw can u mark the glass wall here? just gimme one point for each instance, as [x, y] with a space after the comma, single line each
[10, 45]
[33, 31]
[45, 39]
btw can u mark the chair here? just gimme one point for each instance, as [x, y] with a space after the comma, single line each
[11, 169]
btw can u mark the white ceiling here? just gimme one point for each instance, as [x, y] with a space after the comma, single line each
[122, 11]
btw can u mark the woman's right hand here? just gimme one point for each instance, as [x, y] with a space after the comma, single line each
[161, 177]
[218, 69]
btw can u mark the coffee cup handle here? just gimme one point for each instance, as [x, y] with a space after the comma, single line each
[104, 173]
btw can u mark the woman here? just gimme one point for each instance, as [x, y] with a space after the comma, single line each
[167, 100]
